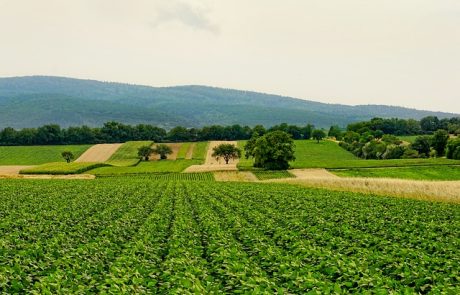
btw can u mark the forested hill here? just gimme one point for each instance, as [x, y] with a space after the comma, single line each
[38, 100]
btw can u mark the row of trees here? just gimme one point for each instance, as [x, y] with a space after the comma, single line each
[388, 146]
[118, 132]
[427, 125]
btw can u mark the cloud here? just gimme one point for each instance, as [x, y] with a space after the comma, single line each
[187, 14]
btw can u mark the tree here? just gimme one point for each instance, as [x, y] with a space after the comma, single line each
[335, 131]
[273, 151]
[453, 149]
[163, 150]
[318, 135]
[422, 145]
[68, 156]
[227, 151]
[429, 124]
[439, 142]
[144, 152]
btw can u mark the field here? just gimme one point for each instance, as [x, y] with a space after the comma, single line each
[328, 154]
[126, 155]
[138, 236]
[36, 155]
[147, 167]
[417, 173]
[199, 152]
[264, 175]
[61, 168]
[408, 138]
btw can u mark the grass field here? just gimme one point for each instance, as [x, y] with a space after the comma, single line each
[147, 167]
[62, 168]
[417, 173]
[408, 138]
[36, 155]
[328, 154]
[183, 150]
[133, 235]
[264, 175]
[126, 155]
[199, 153]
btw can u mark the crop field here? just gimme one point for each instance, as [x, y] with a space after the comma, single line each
[126, 155]
[163, 166]
[264, 175]
[138, 236]
[328, 154]
[199, 152]
[62, 168]
[417, 173]
[36, 155]
[184, 148]
[206, 176]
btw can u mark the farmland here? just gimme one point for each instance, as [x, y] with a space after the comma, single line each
[138, 236]
[35, 155]
[62, 168]
[126, 155]
[417, 172]
[147, 167]
[328, 154]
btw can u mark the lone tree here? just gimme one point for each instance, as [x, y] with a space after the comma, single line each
[318, 135]
[144, 152]
[227, 151]
[163, 150]
[439, 142]
[273, 151]
[68, 156]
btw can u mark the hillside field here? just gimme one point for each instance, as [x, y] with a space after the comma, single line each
[204, 237]
[328, 154]
[126, 155]
[35, 155]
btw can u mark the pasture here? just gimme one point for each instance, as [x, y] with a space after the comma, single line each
[36, 155]
[201, 237]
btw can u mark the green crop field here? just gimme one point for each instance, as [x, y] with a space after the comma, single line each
[328, 154]
[126, 155]
[183, 150]
[35, 155]
[173, 237]
[147, 167]
[204, 176]
[62, 168]
[264, 175]
[417, 173]
[199, 152]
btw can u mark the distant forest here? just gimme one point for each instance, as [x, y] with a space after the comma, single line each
[118, 132]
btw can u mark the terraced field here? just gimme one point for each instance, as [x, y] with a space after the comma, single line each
[36, 155]
[133, 235]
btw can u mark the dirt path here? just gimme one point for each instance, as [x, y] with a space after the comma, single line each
[99, 153]
[189, 154]
[211, 164]
[12, 170]
[175, 150]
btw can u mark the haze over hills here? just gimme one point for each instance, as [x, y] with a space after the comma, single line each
[37, 100]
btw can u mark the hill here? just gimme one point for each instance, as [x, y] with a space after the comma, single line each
[36, 100]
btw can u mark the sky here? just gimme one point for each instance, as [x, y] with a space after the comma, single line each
[393, 52]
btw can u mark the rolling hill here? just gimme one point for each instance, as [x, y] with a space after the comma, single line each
[37, 100]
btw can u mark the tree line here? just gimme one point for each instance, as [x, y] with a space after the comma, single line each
[111, 132]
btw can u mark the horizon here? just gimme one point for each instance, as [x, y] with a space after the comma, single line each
[354, 53]
[236, 89]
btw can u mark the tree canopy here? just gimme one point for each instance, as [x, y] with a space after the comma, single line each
[272, 151]
[226, 151]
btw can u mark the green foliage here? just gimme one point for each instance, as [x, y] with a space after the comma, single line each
[318, 135]
[422, 145]
[273, 151]
[144, 152]
[205, 176]
[439, 142]
[335, 132]
[68, 156]
[128, 153]
[174, 237]
[227, 152]
[163, 150]
[453, 149]
[417, 173]
[147, 167]
[60, 168]
[36, 155]
[265, 175]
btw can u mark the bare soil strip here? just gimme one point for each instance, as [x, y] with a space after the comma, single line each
[241, 176]
[189, 154]
[211, 164]
[175, 150]
[43, 176]
[99, 153]
[424, 190]
[12, 170]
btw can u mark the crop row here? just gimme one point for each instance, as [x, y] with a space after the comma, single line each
[182, 237]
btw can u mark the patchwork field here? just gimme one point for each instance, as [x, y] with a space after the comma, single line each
[99, 153]
[328, 154]
[147, 167]
[126, 155]
[202, 237]
[36, 155]
[211, 163]
[175, 147]
[61, 168]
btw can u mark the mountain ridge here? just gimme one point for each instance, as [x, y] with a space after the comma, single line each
[40, 100]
